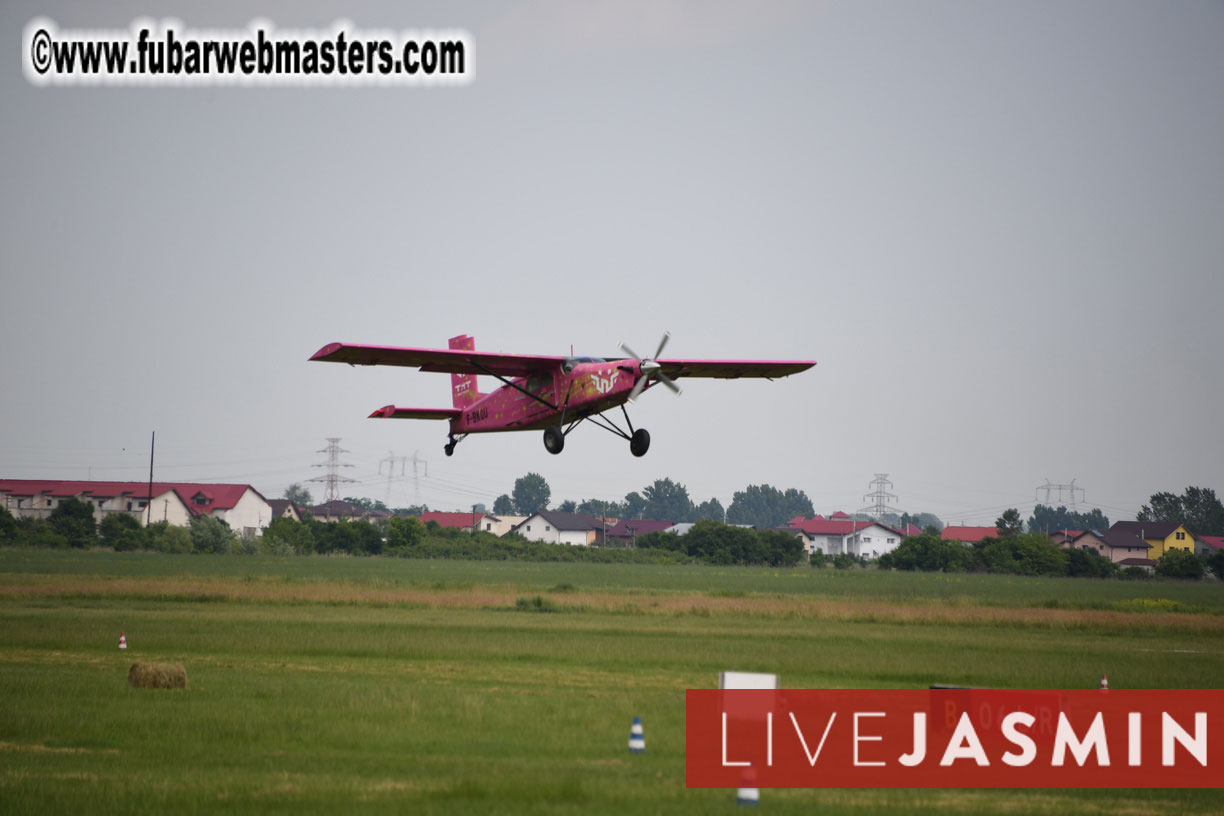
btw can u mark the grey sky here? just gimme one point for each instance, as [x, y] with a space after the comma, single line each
[997, 226]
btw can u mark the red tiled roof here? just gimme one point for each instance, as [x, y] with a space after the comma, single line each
[457, 520]
[968, 533]
[839, 515]
[1215, 542]
[823, 526]
[219, 496]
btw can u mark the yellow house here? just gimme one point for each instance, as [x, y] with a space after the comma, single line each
[1160, 536]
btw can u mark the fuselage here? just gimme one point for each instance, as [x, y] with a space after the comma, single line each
[587, 388]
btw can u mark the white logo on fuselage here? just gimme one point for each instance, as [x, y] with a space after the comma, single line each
[604, 384]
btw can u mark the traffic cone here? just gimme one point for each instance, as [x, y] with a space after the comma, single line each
[748, 796]
[1104, 682]
[637, 741]
[122, 641]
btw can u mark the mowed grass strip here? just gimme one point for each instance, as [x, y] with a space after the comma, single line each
[349, 702]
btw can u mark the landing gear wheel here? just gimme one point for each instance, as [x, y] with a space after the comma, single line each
[640, 442]
[554, 439]
[449, 447]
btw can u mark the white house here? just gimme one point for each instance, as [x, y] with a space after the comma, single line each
[559, 528]
[869, 539]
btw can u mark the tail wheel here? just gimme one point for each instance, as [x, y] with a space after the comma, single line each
[554, 440]
[449, 448]
[640, 442]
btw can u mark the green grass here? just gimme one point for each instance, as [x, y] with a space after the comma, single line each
[462, 701]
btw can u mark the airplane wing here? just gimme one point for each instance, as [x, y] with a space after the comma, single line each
[453, 361]
[395, 412]
[734, 369]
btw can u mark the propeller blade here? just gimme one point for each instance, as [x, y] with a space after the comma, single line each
[666, 380]
[638, 387]
[662, 343]
[630, 352]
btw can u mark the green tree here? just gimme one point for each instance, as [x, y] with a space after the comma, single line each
[404, 532]
[1197, 508]
[74, 520]
[299, 495]
[503, 505]
[1009, 523]
[1049, 519]
[568, 506]
[366, 504]
[210, 534]
[121, 532]
[764, 506]
[1089, 564]
[293, 534]
[165, 537]
[531, 494]
[709, 510]
[1215, 562]
[634, 506]
[1023, 554]
[667, 501]
[9, 531]
[929, 553]
[600, 508]
[1180, 564]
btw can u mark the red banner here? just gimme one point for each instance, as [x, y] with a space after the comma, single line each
[955, 738]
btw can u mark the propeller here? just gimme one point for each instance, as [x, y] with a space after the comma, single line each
[650, 369]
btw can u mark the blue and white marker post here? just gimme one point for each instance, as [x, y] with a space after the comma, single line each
[637, 740]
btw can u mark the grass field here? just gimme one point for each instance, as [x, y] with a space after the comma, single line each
[345, 684]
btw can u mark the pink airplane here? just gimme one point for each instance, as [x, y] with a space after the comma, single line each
[539, 392]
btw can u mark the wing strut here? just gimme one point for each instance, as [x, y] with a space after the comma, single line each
[515, 386]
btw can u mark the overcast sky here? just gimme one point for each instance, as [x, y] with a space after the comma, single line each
[998, 227]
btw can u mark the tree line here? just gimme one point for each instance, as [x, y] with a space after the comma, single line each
[762, 506]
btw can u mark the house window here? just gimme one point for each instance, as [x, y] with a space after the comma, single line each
[101, 502]
[48, 502]
[891, 540]
[142, 504]
[1181, 536]
[547, 528]
[488, 525]
[529, 528]
[130, 505]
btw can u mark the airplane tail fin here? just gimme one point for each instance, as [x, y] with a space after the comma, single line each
[463, 386]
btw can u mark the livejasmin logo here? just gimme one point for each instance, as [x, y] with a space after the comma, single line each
[953, 738]
[605, 384]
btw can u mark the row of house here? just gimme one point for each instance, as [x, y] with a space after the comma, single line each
[239, 505]
[1126, 543]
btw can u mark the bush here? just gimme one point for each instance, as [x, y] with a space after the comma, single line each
[121, 532]
[843, 561]
[1180, 564]
[74, 520]
[164, 537]
[929, 553]
[211, 535]
[1133, 573]
[1089, 564]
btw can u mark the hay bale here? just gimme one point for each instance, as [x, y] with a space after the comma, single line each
[157, 675]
